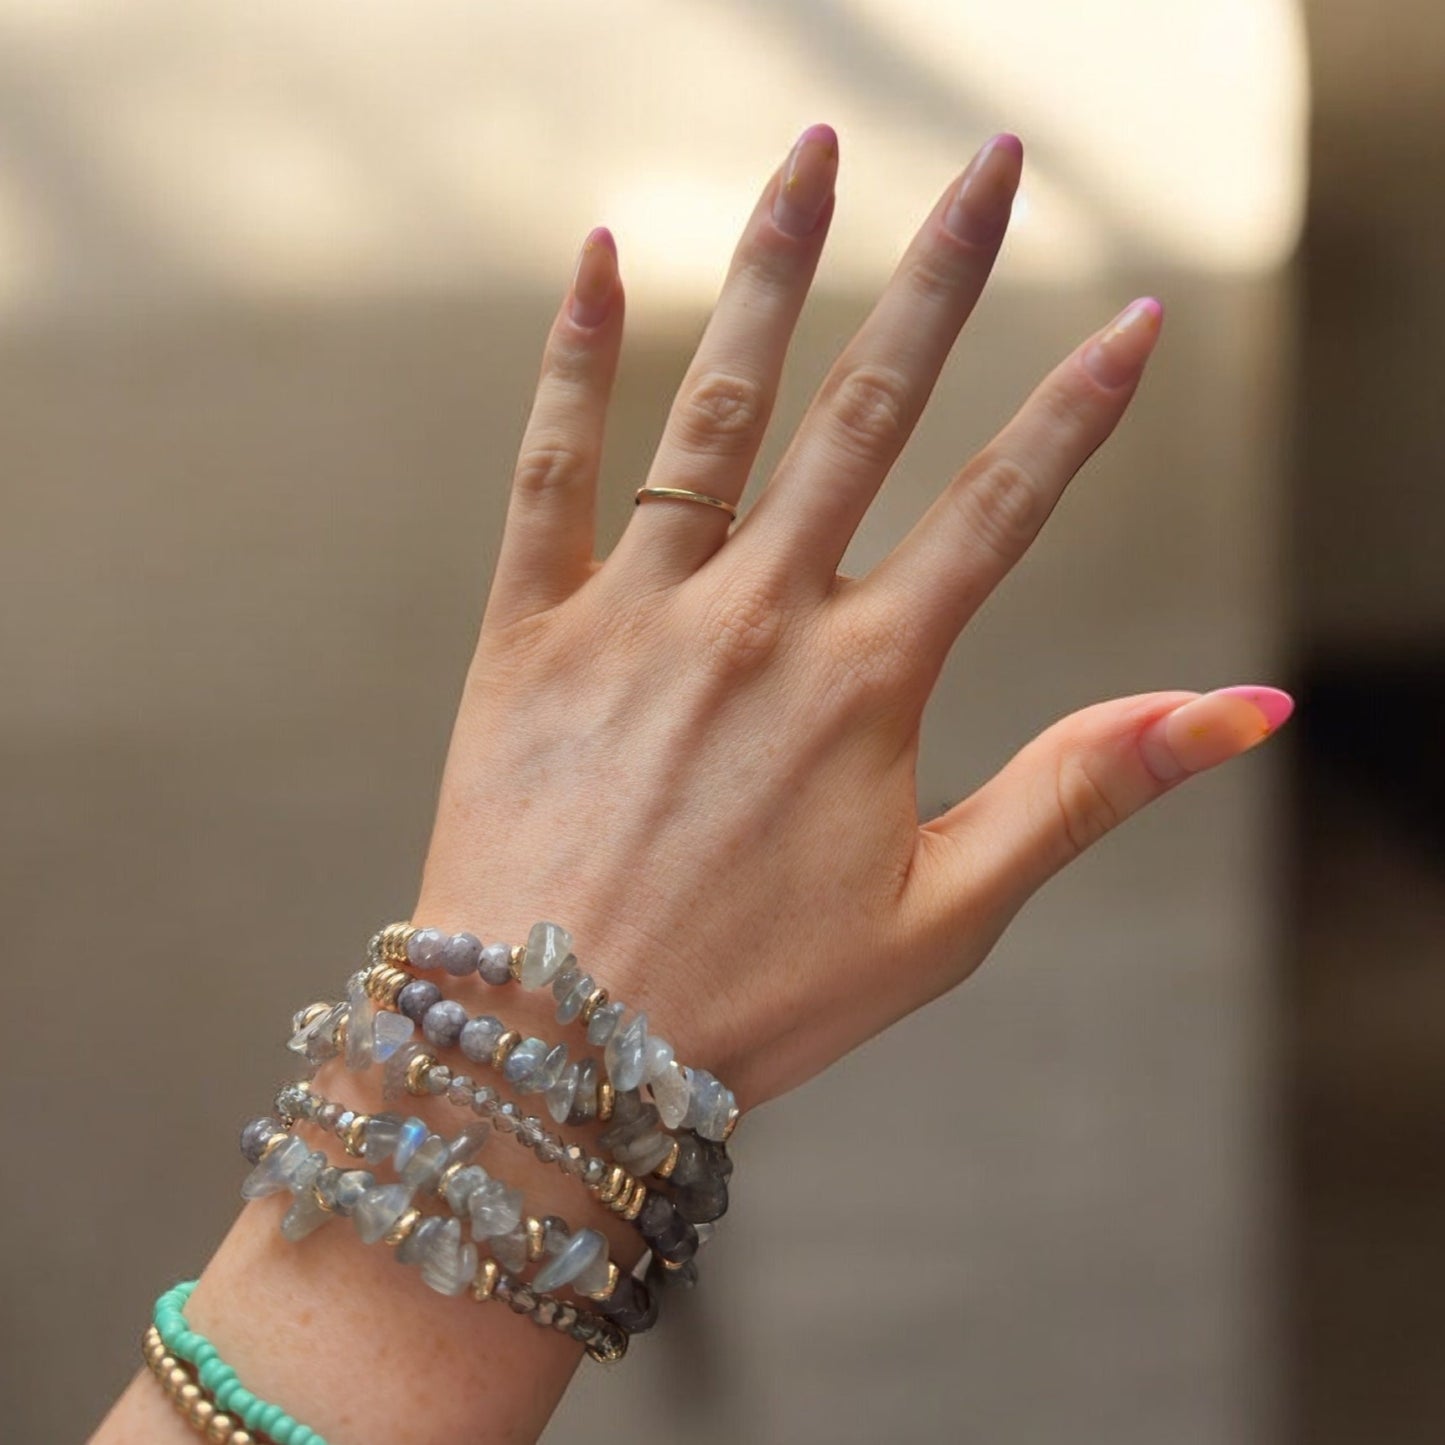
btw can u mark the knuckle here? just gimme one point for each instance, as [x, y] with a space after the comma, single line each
[932, 279]
[550, 464]
[743, 626]
[721, 413]
[1068, 408]
[1085, 809]
[869, 405]
[1003, 506]
[569, 364]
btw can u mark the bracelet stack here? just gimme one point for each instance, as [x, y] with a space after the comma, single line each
[661, 1163]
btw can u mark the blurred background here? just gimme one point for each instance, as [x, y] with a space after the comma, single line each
[274, 282]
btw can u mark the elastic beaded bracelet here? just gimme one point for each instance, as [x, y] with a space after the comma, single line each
[697, 1169]
[193, 1404]
[690, 1098]
[384, 1212]
[217, 1377]
[367, 1032]
[427, 1162]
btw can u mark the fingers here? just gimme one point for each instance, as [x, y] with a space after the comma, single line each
[877, 389]
[548, 541]
[990, 513]
[1080, 779]
[717, 422]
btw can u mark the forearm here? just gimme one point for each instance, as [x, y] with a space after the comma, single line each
[358, 1348]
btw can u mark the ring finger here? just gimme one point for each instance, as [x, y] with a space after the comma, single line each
[716, 423]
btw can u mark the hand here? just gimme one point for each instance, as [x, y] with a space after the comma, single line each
[699, 754]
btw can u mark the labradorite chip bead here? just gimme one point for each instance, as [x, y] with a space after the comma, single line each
[548, 951]
[524, 1062]
[417, 997]
[257, 1134]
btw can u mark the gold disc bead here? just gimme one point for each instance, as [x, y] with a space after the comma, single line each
[664, 1170]
[605, 1293]
[606, 1098]
[416, 1073]
[486, 1279]
[536, 1238]
[394, 939]
[403, 1226]
[593, 1002]
[639, 1198]
[354, 1135]
[505, 1045]
[514, 960]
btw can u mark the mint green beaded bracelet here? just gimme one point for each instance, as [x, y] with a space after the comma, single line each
[219, 1378]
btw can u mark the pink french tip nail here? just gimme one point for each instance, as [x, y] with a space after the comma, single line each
[1116, 355]
[1212, 728]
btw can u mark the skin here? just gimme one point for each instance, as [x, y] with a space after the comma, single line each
[703, 749]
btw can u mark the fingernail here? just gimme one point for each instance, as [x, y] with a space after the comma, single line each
[979, 212]
[807, 181]
[1212, 728]
[1115, 355]
[596, 275]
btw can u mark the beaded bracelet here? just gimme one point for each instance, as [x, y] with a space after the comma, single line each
[368, 1033]
[214, 1375]
[696, 1168]
[193, 1404]
[691, 1098]
[427, 1162]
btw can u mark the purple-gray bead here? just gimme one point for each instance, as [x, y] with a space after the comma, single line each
[495, 964]
[461, 953]
[426, 947]
[416, 998]
[444, 1022]
[479, 1037]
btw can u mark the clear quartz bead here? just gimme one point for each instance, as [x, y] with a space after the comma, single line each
[378, 1209]
[562, 1093]
[625, 1054]
[549, 946]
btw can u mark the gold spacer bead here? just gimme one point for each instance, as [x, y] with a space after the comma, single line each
[613, 1275]
[403, 1227]
[606, 1098]
[342, 1029]
[536, 1238]
[734, 1114]
[320, 1202]
[394, 939]
[221, 1430]
[668, 1264]
[448, 1174]
[514, 960]
[351, 1136]
[486, 1279]
[639, 1197]
[203, 1412]
[505, 1045]
[664, 1170]
[594, 1001]
[275, 1142]
[613, 1183]
[414, 1072]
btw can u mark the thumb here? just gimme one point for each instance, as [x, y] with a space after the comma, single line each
[1082, 777]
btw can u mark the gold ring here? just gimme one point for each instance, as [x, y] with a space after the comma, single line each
[678, 494]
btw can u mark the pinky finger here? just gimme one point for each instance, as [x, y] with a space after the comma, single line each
[550, 534]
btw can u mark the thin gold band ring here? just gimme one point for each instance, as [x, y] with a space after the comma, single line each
[679, 494]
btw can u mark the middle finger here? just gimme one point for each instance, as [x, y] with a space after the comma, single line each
[875, 392]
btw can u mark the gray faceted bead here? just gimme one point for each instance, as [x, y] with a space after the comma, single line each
[444, 1023]
[495, 964]
[426, 947]
[461, 954]
[479, 1036]
[417, 997]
